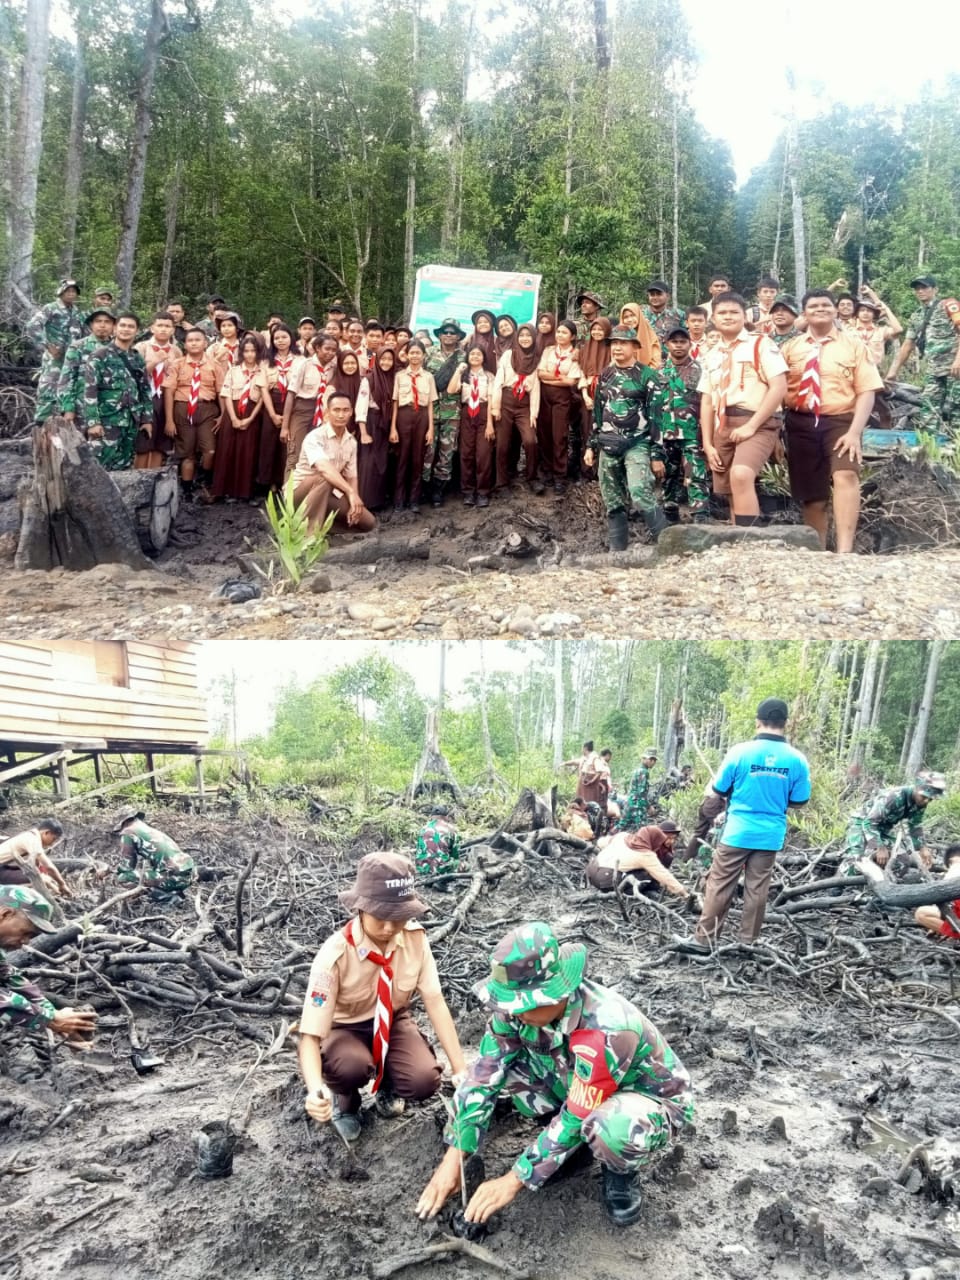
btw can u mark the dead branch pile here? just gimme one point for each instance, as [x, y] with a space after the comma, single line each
[909, 502]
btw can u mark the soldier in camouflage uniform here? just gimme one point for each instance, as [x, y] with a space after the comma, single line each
[116, 397]
[208, 325]
[167, 871]
[442, 362]
[871, 831]
[783, 315]
[101, 323]
[23, 914]
[438, 845]
[591, 306]
[571, 1052]
[687, 471]
[663, 318]
[934, 332]
[634, 814]
[52, 330]
[630, 412]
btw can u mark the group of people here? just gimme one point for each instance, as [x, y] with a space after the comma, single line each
[666, 407]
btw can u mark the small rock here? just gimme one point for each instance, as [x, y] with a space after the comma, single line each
[686, 1180]
[876, 1187]
[318, 583]
[383, 624]
[728, 1122]
[777, 1128]
[743, 1187]
[361, 612]
[522, 623]
[709, 1161]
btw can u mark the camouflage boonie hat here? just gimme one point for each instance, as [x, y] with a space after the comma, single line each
[788, 302]
[98, 311]
[105, 291]
[529, 969]
[16, 897]
[623, 333]
[931, 784]
[651, 751]
[66, 284]
[126, 813]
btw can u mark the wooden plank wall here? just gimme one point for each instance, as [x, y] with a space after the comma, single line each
[123, 690]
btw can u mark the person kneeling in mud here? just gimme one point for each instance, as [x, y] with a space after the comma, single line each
[944, 919]
[637, 861]
[438, 845]
[24, 914]
[356, 1027]
[576, 1054]
[167, 871]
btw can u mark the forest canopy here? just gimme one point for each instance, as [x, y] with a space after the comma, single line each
[175, 147]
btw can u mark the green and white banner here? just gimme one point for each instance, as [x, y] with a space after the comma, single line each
[445, 292]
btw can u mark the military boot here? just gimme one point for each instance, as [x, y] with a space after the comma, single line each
[746, 522]
[438, 494]
[618, 530]
[655, 521]
[622, 1197]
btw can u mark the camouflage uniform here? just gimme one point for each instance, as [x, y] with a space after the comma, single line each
[70, 382]
[781, 338]
[209, 329]
[22, 1003]
[681, 441]
[664, 322]
[874, 827]
[53, 326]
[438, 848]
[634, 813]
[438, 460]
[936, 338]
[117, 398]
[602, 1074]
[632, 402]
[168, 869]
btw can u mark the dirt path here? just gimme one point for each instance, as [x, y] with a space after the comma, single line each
[805, 1110]
[724, 592]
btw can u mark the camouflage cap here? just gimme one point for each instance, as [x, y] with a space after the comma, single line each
[66, 284]
[105, 291]
[931, 784]
[98, 311]
[17, 897]
[651, 753]
[128, 812]
[529, 969]
[788, 302]
[623, 333]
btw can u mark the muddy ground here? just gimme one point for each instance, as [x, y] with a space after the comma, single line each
[725, 591]
[809, 1096]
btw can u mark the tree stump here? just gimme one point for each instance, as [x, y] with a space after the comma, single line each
[533, 812]
[75, 515]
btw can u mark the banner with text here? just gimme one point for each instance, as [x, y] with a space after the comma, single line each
[444, 292]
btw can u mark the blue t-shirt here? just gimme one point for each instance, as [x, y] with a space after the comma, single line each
[760, 778]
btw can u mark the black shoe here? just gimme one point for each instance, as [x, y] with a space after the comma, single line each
[672, 514]
[537, 487]
[559, 488]
[690, 945]
[700, 517]
[469, 499]
[482, 500]
[414, 508]
[398, 508]
[622, 1197]
[437, 496]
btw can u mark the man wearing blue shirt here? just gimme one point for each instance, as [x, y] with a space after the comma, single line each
[759, 779]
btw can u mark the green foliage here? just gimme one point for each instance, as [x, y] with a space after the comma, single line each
[617, 730]
[298, 547]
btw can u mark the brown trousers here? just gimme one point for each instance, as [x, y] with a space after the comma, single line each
[553, 429]
[411, 1069]
[319, 497]
[301, 424]
[476, 453]
[412, 427]
[515, 414]
[728, 862]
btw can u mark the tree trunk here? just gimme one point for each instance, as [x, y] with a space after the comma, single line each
[488, 759]
[658, 702]
[569, 285]
[409, 224]
[25, 161]
[907, 735]
[74, 170]
[73, 515]
[433, 773]
[558, 704]
[848, 704]
[775, 264]
[152, 499]
[533, 812]
[829, 681]
[878, 691]
[918, 744]
[157, 31]
[799, 235]
[675, 275]
[626, 673]
[864, 715]
[170, 243]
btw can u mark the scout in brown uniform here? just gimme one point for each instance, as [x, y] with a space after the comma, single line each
[831, 386]
[414, 394]
[191, 397]
[559, 373]
[325, 476]
[474, 384]
[516, 404]
[238, 439]
[32, 848]
[277, 371]
[356, 1027]
[759, 319]
[159, 352]
[227, 349]
[306, 397]
[741, 388]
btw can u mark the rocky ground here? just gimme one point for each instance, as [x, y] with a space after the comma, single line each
[567, 585]
[810, 1096]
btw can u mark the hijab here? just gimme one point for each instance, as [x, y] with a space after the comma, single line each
[381, 382]
[347, 383]
[648, 349]
[545, 340]
[504, 344]
[488, 341]
[524, 362]
[595, 356]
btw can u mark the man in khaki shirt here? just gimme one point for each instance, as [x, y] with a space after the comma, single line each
[831, 387]
[31, 847]
[631, 859]
[193, 426]
[325, 474]
[741, 388]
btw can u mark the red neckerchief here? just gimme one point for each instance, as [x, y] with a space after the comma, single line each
[318, 407]
[415, 390]
[243, 404]
[156, 373]
[194, 391]
[383, 1017]
[473, 402]
[283, 366]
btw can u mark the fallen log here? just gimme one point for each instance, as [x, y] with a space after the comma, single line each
[371, 550]
[905, 897]
[73, 514]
